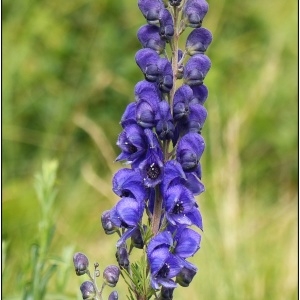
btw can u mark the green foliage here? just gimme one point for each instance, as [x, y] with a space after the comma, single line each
[77, 59]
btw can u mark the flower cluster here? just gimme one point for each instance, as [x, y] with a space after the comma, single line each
[161, 143]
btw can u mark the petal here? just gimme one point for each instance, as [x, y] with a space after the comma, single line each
[198, 41]
[188, 243]
[149, 37]
[163, 239]
[157, 259]
[130, 211]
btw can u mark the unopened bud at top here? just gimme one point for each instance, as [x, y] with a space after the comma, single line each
[111, 275]
[81, 263]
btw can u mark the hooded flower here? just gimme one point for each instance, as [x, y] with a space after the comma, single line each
[196, 69]
[149, 37]
[129, 183]
[194, 11]
[127, 213]
[164, 126]
[134, 145]
[166, 29]
[166, 254]
[181, 207]
[198, 41]
[189, 151]
[151, 10]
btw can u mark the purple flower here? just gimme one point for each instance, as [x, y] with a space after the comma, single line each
[147, 60]
[164, 126]
[149, 37]
[185, 276]
[155, 69]
[151, 10]
[129, 183]
[166, 255]
[122, 257]
[194, 11]
[133, 144]
[175, 2]
[174, 175]
[164, 266]
[111, 275]
[81, 263]
[196, 69]
[87, 290]
[166, 29]
[127, 213]
[189, 151]
[152, 167]
[128, 117]
[198, 41]
[181, 207]
[200, 94]
[108, 226]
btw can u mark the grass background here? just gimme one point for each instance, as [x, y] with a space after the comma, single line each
[68, 74]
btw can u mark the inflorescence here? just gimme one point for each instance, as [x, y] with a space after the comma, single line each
[161, 142]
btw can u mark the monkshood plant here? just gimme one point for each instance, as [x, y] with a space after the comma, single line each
[161, 143]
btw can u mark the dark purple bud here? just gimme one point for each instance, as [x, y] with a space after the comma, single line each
[189, 150]
[144, 90]
[164, 127]
[149, 37]
[198, 115]
[182, 97]
[129, 183]
[147, 60]
[88, 290]
[151, 9]
[166, 29]
[113, 296]
[165, 80]
[81, 263]
[137, 239]
[111, 275]
[194, 11]
[122, 257]
[196, 69]
[108, 226]
[185, 277]
[166, 293]
[145, 112]
[198, 41]
[200, 94]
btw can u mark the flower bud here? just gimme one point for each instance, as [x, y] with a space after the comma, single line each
[194, 11]
[166, 293]
[113, 296]
[81, 263]
[185, 277]
[107, 224]
[111, 275]
[88, 290]
[198, 41]
[122, 257]
[137, 239]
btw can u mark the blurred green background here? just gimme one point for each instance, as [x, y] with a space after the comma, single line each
[68, 74]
